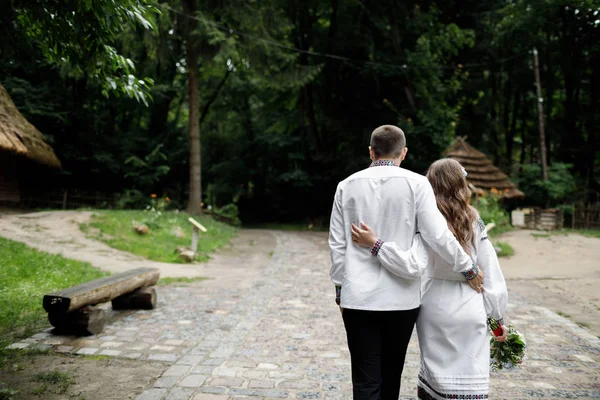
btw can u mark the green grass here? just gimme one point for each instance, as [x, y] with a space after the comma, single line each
[7, 393]
[541, 235]
[25, 276]
[507, 250]
[58, 381]
[170, 281]
[160, 244]
[567, 231]
[500, 229]
[585, 232]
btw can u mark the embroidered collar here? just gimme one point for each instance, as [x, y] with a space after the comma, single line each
[383, 163]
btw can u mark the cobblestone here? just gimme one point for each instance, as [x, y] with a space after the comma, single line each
[261, 384]
[179, 393]
[226, 382]
[152, 394]
[177, 370]
[194, 380]
[284, 338]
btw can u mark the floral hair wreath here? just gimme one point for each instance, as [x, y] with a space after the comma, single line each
[464, 172]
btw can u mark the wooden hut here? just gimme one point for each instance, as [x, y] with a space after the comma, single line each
[22, 146]
[482, 174]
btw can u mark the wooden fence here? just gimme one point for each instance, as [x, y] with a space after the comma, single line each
[69, 199]
[538, 218]
[583, 216]
[586, 216]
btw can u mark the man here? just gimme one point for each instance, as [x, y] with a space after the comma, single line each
[379, 308]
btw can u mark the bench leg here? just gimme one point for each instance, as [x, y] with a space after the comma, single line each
[83, 322]
[141, 299]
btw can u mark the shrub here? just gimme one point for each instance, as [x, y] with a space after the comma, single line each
[559, 187]
[228, 214]
[132, 199]
[491, 211]
[155, 210]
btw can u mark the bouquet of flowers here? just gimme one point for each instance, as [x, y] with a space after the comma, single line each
[508, 354]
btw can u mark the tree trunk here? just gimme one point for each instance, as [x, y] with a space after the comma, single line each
[495, 121]
[540, 116]
[213, 97]
[195, 196]
[510, 133]
[305, 21]
[524, 116]
[398, 46]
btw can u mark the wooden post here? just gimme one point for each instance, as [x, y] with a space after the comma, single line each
[573, 215]
[64, 204]
[197, 228]
[540, 105]
[194, 247]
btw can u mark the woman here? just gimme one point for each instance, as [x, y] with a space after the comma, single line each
[452, 324]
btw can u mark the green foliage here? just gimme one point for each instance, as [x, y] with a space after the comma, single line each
[132, 199]
[147, 171]
[290, 94]
[559, 187]
[228, 213]
[80, 35]
[506, 250]
[508, 354]
[491, 211]
[27, 275]
[160, 244]
[154, 212]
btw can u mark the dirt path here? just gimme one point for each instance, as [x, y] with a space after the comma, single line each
[560, 272]
[57, 232]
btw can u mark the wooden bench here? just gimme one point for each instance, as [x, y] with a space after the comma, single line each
[74, 310]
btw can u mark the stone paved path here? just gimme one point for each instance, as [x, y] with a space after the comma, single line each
[282, 337]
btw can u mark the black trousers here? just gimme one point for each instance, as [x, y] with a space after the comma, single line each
[378, 341]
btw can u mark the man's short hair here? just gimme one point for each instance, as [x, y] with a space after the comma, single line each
[388, 141]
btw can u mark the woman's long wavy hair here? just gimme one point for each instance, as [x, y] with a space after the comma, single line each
[452, 195]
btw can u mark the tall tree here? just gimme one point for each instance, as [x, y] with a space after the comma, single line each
[194, 205]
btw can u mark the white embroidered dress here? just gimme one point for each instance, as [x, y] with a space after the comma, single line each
[452, 324]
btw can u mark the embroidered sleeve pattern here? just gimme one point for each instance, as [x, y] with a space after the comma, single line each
[482, 229]
[472, 273]
[376, 247]
[338, 294]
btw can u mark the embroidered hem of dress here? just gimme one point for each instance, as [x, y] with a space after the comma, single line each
[426, 392]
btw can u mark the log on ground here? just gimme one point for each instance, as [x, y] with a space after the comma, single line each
[83, 322]
[141, 299]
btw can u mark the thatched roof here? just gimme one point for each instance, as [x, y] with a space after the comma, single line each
[482, 174]
[18, 136]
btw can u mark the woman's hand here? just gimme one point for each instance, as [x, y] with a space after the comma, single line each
[363, 236]
[504, 335]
